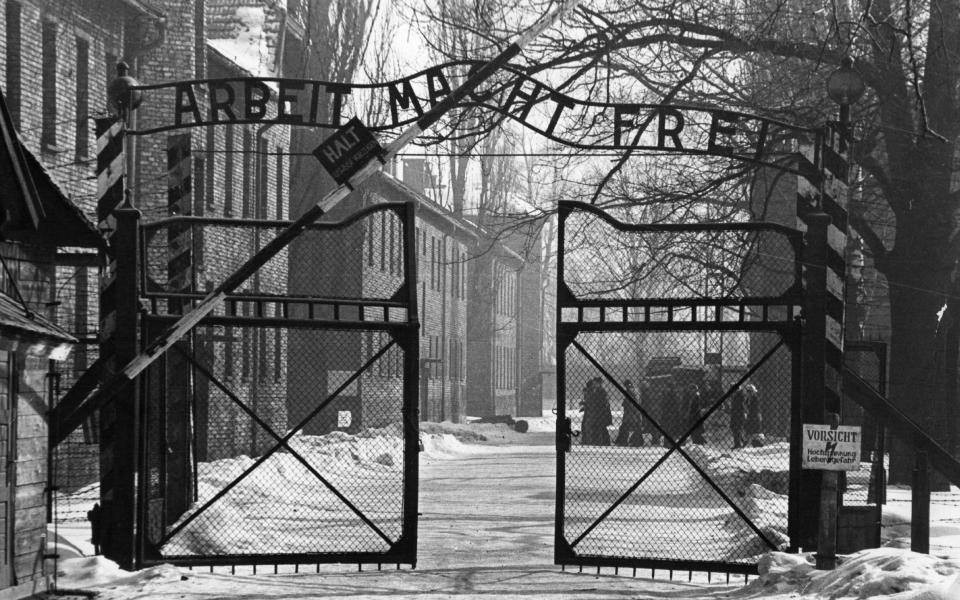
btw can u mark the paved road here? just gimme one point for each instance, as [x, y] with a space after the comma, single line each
[486, 532]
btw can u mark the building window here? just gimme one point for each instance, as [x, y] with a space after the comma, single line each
[463, 275]
[82, 140]
[383, 239]
[13, 61]
[277, 349]
[393, 241]
[433, 263]
[199, 184]
[263, 368]
[110, 59]
[370, 226]
[455, 277]
[246, 345]
[247, 175]
[401, 245]
[381, 363]
[48, 98]
[227, 352]
[442, 263]
[263, 179]
[456, 360]
[281, 196]
[209, 191]
[228, 171]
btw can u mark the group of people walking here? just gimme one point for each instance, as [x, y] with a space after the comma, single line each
[745, 418]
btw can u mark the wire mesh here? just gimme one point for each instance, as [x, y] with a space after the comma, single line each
[631, 492]
[361, 259]
[75, 465]
[290, 442]
[866, 485]
[607, 261]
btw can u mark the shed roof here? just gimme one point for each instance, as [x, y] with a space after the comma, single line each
[32, 332]
[30, 200]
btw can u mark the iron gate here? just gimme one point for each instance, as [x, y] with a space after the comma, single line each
[678, 381]
[283, 429]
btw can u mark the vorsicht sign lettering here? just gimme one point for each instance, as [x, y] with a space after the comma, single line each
[573, 122]
[831, 449]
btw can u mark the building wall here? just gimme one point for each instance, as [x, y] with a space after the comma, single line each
[24, 386]
[236, 171]
[442, 271]
[493, 318]
[55, 61]
[442, 274]
[97, 26]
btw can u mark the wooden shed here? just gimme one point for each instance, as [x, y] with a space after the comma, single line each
[35, 220]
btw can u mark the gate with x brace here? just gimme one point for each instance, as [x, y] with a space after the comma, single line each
[678, 377]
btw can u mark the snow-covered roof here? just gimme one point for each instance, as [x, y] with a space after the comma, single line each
[247, 32]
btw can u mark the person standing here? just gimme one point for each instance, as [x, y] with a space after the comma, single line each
[603, 415]
[596, 414]
[754, 424]
[587, 428]
[694, 411]
[738, 416]
[631, 426]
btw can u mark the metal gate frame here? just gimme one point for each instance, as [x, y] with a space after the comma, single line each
[568, 327]
[348, 314]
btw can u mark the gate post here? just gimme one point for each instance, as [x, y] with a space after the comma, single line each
[805, 497]
[119, 424]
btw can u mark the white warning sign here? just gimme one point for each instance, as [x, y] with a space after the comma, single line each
[831, 449]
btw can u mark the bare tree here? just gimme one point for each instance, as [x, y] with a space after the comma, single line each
[773, 58]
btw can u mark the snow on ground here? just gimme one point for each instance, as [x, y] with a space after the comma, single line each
[486, 530]
[891, 573]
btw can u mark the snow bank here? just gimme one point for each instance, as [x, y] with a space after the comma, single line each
[768, 511]
[99, 572]
[282, 503]
[890, 573]
[757, 480]
[737, 470]
[442, 446]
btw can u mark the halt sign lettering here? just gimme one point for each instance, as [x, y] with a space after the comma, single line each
[831, 449]
[347, 150]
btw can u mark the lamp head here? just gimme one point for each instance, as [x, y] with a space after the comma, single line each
[845, 85]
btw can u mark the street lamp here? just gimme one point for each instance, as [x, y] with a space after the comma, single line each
[845, 86]
[120, 91]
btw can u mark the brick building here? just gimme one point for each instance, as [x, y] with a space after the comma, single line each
[480, 345]
[38, 223]
[442, 249]
[237, 172]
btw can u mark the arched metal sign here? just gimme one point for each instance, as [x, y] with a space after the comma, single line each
[513, 94]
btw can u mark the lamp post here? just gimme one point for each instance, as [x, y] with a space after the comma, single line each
[845, 86]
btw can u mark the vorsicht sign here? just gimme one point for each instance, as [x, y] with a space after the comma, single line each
[831, 449]
[573, 122]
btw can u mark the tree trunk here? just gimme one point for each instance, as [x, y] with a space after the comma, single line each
[916, 296]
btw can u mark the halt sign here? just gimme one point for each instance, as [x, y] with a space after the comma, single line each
[347, 150]
[831, 448]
